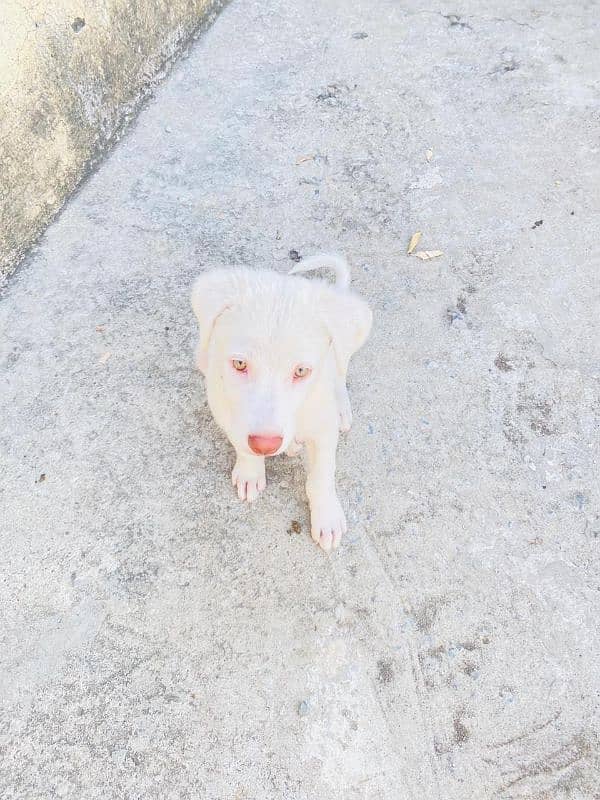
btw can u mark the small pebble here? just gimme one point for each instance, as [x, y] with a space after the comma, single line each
[303, 708]
[507, 695]
[454, 315]
[295, 255]
[360, 35]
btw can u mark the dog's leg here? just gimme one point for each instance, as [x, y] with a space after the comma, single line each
[327, 520]
[343, 403]
[248, 476]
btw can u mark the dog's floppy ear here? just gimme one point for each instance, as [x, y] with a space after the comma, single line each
[212, 293]
[348, 319]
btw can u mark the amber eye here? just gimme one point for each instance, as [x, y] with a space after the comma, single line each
[302, 372]
[240, 365]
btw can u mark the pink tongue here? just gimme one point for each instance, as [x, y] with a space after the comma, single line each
[265, 445]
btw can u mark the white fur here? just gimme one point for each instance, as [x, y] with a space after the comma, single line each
[276, 323]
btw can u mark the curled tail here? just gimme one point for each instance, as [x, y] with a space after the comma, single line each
[335, 263]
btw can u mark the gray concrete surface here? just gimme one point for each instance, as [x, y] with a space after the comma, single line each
[159, 640]
[72, 74]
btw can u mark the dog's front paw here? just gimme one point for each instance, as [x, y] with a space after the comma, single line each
[248, 477]
[327, 522]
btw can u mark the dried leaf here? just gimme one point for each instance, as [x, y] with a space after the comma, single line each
[429, 155]
[414, 241]
[104, 357]
[426, 255]
[302, 159]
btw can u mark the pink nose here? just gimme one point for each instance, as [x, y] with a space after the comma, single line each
[265, 445]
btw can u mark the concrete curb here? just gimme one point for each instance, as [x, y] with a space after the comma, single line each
[71, 79]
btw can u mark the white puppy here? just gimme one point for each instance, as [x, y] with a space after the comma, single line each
[275, 350]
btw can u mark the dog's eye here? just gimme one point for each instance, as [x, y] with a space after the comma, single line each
[302, 372]
[240, 365]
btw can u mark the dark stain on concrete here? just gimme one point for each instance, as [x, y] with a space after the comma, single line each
[385, 671]
[502, 363]
[461, 732]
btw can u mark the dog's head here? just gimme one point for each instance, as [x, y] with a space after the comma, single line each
[265, 339]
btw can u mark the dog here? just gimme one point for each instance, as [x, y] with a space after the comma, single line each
[274, 350]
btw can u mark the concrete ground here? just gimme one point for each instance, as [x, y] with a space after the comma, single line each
[160, 640]
[72, 74]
